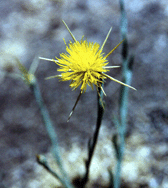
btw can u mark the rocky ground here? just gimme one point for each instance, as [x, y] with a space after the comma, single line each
[30, 28]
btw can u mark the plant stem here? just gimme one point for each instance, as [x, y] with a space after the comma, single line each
[93, 141]
[123, 103]
[123, 106]
[51, 132]
[42, 161]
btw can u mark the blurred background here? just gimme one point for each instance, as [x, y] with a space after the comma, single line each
[32, 28]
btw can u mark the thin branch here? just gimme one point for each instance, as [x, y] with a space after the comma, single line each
[51, 132]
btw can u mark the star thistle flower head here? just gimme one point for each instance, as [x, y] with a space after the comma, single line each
[84, 64]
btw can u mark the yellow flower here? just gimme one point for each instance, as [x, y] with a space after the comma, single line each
[84, 64]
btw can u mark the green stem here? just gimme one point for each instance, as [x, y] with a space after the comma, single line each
[51, 132]
[123, 103]
[42, 161]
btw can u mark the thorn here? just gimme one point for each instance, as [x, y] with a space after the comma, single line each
[74, 106]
